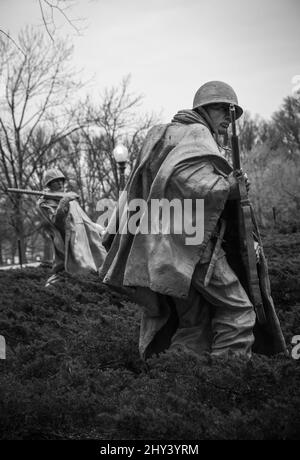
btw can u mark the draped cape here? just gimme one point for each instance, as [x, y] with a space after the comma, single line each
[80, 249]
[160, 266]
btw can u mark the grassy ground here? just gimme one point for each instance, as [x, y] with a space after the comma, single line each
[73, 370]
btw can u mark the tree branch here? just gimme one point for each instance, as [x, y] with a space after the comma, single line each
[13, 41]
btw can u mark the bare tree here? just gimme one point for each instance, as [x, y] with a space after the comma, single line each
[51, 11]
[116, 119]
[51, 8]
[86, 157]
[286, 125]
[35, 113]
[270, 155]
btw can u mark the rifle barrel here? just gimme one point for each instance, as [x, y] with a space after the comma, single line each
[234, 140]
[28, 192]
[55, 195]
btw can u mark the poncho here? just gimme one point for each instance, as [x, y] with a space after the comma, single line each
[161, 266]
[79, 247]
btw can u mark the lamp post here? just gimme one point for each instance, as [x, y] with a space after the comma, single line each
[120, 154]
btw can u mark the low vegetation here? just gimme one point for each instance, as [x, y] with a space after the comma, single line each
[73, 370]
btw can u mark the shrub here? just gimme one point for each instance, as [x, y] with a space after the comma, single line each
[73, 370]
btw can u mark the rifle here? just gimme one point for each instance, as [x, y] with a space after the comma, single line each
[55, 195]
[246, 228]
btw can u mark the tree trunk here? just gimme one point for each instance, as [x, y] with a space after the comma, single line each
[20, 230]
[1, 254]
[13, 250]
[48, 250]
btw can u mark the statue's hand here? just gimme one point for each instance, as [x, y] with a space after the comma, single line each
[70, 196]
[238, 173]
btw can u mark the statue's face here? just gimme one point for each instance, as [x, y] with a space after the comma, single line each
[220, 116]
[57, 185]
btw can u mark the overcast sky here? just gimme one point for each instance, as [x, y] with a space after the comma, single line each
[171, 47]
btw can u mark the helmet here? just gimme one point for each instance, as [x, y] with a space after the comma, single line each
[52, 174]
[214, 92]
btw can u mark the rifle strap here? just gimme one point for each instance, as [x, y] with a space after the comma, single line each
[215, 253]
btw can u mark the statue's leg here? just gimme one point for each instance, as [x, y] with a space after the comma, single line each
[234, 317]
